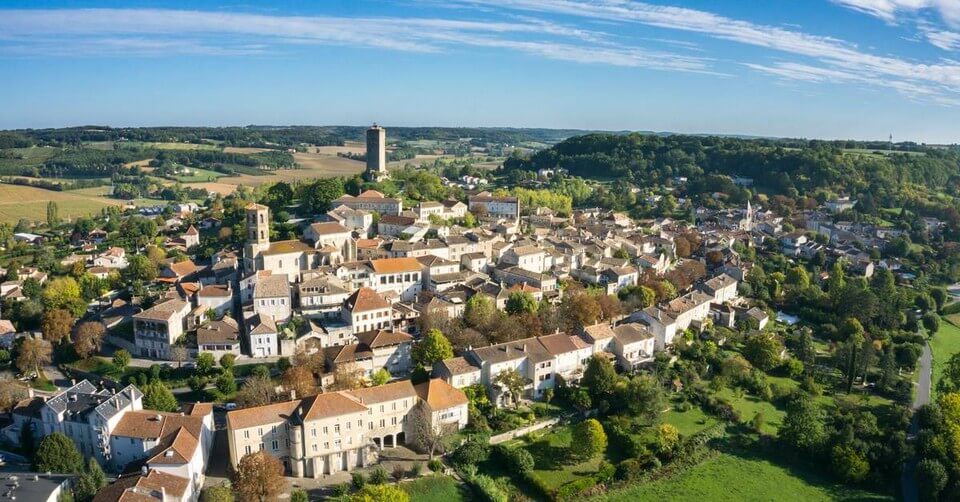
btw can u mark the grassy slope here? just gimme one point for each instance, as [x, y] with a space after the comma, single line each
[945, 343]
[731, 477]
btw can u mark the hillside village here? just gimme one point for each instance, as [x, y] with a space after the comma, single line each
[359, 291]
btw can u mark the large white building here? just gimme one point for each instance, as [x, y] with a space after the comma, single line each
[340, 431]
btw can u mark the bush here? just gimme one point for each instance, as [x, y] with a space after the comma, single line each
[358, 480]
[435, 465]
[472, 452]
[629, 469]
[340, 489]
[575, 488]
[416, 469]
[516, 459]
[378, 475]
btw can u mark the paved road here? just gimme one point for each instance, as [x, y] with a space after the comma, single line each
[922, 397]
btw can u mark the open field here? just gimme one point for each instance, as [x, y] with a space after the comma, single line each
[18, 202]
[733, 477]
[943, 344]
[348, 147]
[244, 149]
[312, 166]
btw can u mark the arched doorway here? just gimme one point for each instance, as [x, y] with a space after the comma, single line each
[401, 439]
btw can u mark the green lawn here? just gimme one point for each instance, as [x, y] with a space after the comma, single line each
[436, 488]
[731, 477]
[688, 422]
[748, 406]
[943, 344]
[550, 451]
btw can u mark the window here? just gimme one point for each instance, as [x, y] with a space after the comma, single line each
[246, 434]
[336, 428]
[314, 447]
[261, 446]
[313, 432]
[248, 449]
[393, 421]
[276, 445]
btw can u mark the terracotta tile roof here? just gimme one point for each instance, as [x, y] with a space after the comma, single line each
[348, 353]
[369, 243]
[440, 395]
[176, 449]
[383, 338]
[331, 405]
[215, 290]
[395, 265]
[383, 393]
[183, 268]
[365, 299]
[392, 219]
[192, 231]
[261, 415]
[137, 488]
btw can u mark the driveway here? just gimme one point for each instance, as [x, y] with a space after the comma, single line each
[921, 398]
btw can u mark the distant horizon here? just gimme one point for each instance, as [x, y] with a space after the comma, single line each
[578, 129]
[844, 69]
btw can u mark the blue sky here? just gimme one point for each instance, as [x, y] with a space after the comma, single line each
[859, 69]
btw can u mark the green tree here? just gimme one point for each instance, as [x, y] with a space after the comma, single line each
[299, 495]
[226, 383]
[432, 348]
[156, 396]
[599, 379]
[479, 311]
[64, 293]
[205, 362]
[588, 439]
[802, 427]
[849, 464]
[121, 359]
[931, 322]
[53, 214]
[227, 361]
[763, 351]
[57, 453]
[380, 377]
[520, 302]
[140, 268]
[318, 195]
[932, 478]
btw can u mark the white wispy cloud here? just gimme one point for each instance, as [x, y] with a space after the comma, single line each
[938, 78]
[891, 10]
[164, 32]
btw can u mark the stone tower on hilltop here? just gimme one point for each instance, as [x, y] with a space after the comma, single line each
[376, 152]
